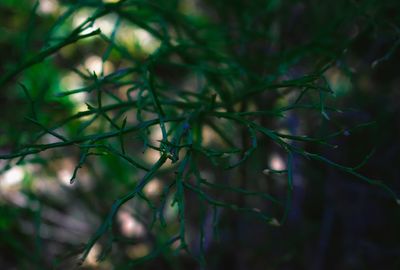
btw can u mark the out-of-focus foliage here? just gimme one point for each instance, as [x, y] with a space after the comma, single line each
[199, 134]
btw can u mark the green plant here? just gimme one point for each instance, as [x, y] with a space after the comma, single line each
[200, 74]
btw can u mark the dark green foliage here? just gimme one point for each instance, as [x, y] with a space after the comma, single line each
[239, 71]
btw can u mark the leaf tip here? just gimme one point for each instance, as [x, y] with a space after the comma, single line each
[325, 115]
[72, 180]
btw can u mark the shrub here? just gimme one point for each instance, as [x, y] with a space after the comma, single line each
[205, 103]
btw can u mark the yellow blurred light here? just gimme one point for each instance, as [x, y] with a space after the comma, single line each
[129, 225]
[138, 251]
[12, 177]
[153, 188]
[47, 7]
[277, 163]
[94, 64]
[91, 259]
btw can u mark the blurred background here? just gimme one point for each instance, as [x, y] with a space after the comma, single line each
[238, 52]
